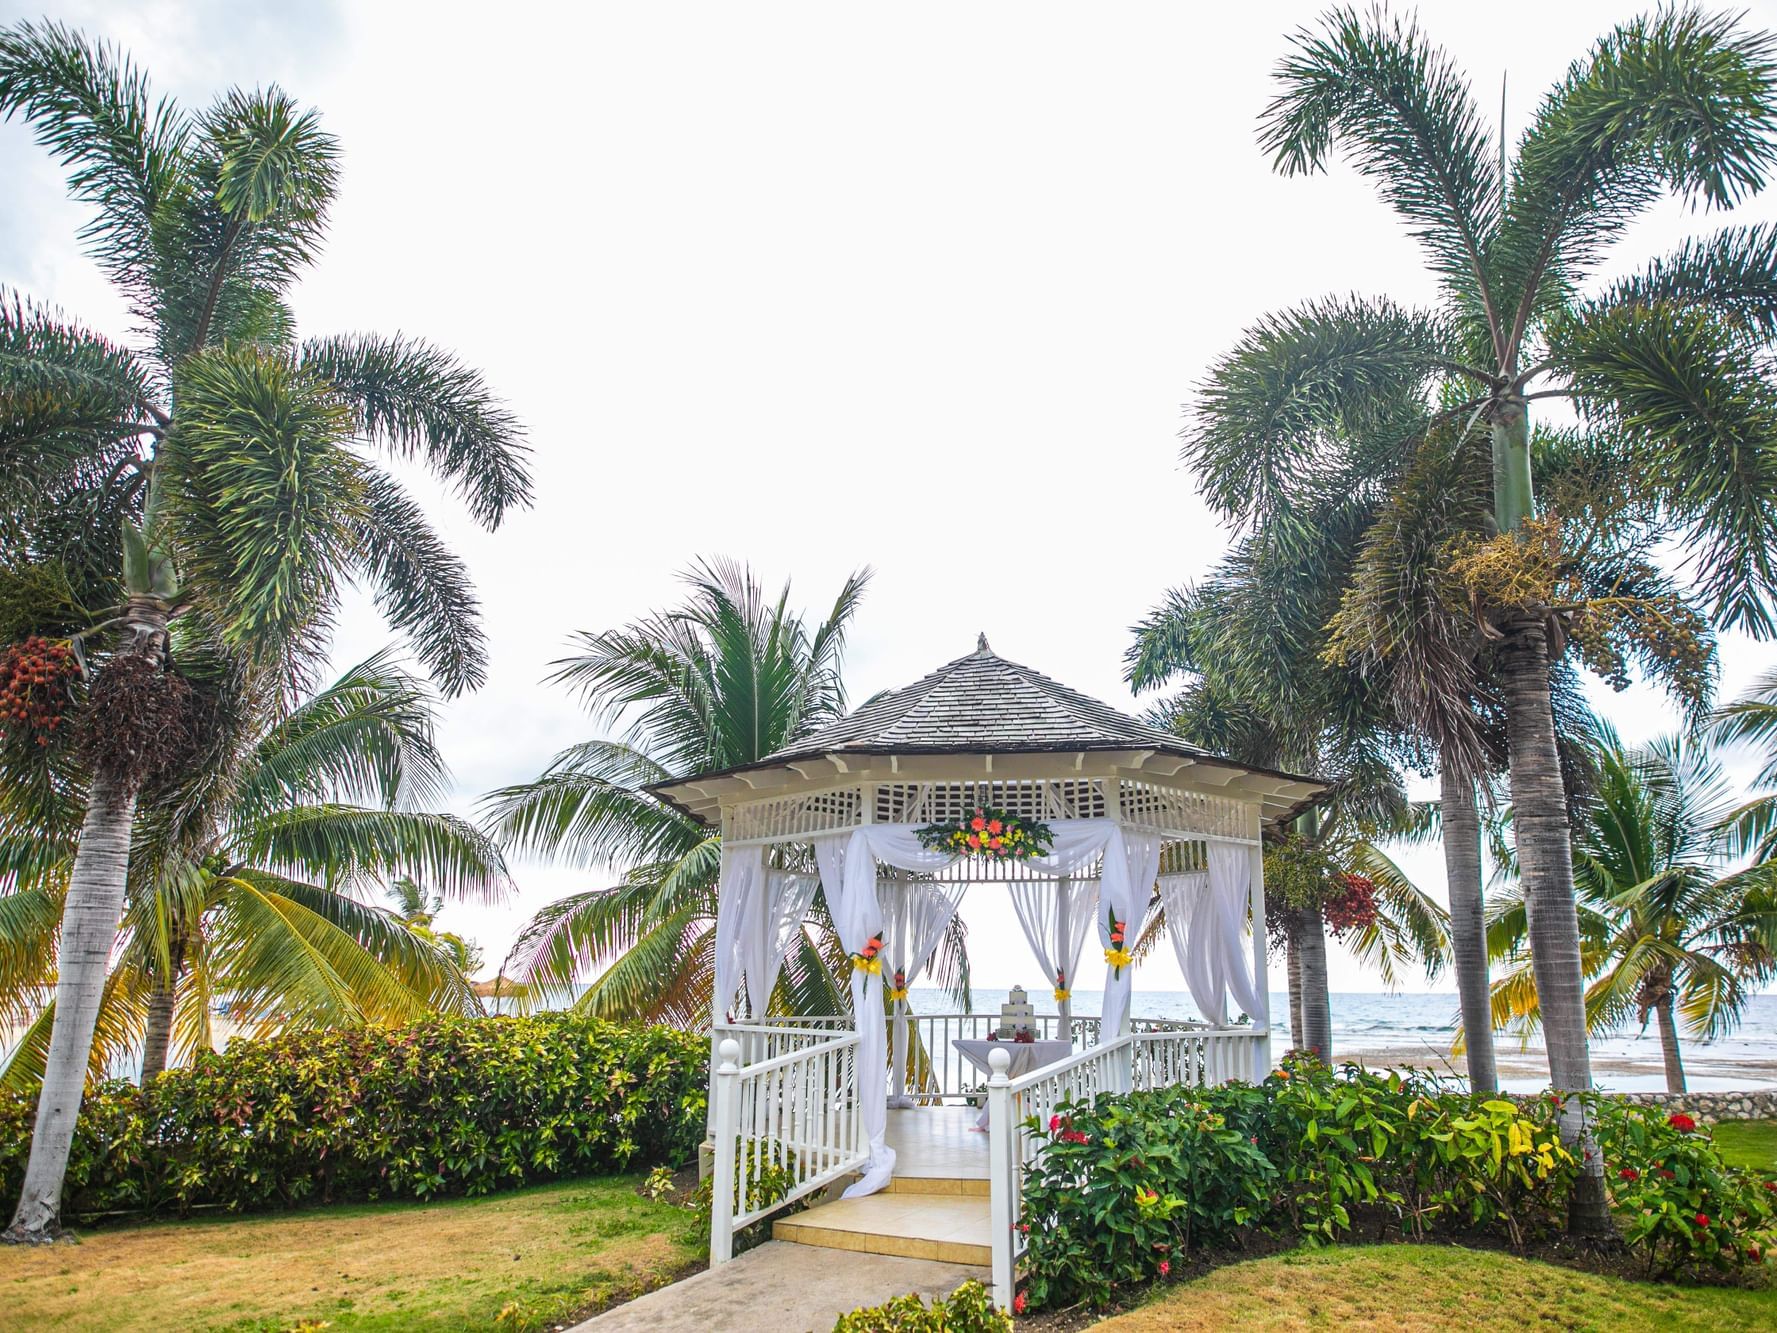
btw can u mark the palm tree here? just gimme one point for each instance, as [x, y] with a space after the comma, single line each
[723, 680]
[416, 909]
[1666, 368]
[231, 457]
[1669, 930]
[255, 899]
[1751, 829]
[1246, 644]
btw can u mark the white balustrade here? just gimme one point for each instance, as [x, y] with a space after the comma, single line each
[793, 1112]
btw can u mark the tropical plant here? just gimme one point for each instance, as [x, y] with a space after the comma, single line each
[1245, 646]
[1669, 929]
[417, 910]
[214, 475]
[723, 680]
[256, 901]
[1667, 370]
[1751, 828]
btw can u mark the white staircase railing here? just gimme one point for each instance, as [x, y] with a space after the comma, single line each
[1139, 1061]
[789, 1118]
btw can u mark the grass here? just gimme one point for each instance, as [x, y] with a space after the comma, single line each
[509, 1261]
[1420, 1288]
[1748, 1143]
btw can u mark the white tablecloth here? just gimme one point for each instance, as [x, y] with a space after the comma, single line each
[1026, 1056]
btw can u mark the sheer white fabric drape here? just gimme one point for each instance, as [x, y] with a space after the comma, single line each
[776, 919]
[740, 891]
[1207, 917]
[1131, 865]
[1056, 918]
[847, 863]
[915, 915]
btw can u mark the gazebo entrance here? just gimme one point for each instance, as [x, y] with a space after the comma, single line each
[1122, 817]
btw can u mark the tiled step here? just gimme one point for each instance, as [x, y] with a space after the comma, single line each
[975, 1187]
[950, 1227]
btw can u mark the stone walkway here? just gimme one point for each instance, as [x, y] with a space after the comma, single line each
[781, 1288]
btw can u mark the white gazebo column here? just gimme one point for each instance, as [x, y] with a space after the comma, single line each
[1261, 976]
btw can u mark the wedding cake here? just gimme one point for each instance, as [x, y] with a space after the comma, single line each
[1017, 1016]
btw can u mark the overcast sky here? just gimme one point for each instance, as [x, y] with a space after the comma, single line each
[922, 287]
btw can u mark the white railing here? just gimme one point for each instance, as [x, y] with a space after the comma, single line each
[793, 1114]
[1138, 1062]
[937, 1073]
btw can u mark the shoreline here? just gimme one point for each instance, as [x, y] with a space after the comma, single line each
[1523, 1069]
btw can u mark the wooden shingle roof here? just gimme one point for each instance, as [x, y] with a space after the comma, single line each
[982, 704]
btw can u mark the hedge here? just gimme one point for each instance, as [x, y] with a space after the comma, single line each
[442, 1107]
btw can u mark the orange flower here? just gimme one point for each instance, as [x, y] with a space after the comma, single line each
[974, 841]
[978, 824]
[995, 827]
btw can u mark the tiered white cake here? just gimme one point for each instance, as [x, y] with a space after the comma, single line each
[1016, 1015]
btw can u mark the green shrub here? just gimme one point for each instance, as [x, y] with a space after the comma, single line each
[444, 1106]
[1129, 1184]
[1675, 1198]
[968, 1309]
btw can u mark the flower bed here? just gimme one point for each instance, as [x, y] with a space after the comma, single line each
[1130, 1186]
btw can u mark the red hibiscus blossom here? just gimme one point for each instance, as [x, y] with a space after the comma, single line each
[1681, 1122]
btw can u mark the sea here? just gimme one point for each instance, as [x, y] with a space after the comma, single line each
[1416, 1029]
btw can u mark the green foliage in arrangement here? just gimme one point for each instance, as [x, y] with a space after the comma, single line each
[968, 1309]
[1675, 1199]
[1130, 1185]
[442, 1107]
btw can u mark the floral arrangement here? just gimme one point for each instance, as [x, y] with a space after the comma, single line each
[1062, 993]
[989, 833]
[898, 991]
[1117, 956]
[1024, 1037]
[868, 958]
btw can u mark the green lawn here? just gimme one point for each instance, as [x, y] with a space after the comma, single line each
[1433, 1287]
[1748, 1143]
[509, 1261]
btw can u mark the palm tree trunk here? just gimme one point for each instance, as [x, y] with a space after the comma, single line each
[1317, 1016]
[158, 1036]
[1663, 1011]
[89, 930]
[1293, 966]
[1545, 858]
[1468, 926]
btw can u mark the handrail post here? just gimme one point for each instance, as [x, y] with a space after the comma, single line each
[1002, 1173]
[727, 1134]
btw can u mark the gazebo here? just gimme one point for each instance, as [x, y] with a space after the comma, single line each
[1131, 815]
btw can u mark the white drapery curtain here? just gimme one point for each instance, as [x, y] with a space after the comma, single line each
[1056, 918]
[847, 863]
[1131, 865]
[740, 891]
[1207, 916]
[777, 915]
[915, 915]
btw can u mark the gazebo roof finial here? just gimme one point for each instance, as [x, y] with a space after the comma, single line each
[981, 644]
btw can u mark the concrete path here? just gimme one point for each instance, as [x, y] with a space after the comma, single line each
[781, 1288]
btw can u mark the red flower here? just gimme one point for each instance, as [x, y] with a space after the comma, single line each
[994, 826]
[1165, 1268]
[1681, 1122]
[1054, 1123]
[994, 843]
[1752, 1253]
[974, 840]
[1667, 1175]
[978, 824]
[1629, 1173]
[1702, 1219]
[1018, 1303]
[1771, 1184]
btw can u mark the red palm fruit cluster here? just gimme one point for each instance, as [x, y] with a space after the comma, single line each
[36, 688]
[1352, 905]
